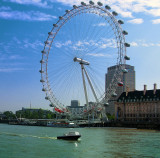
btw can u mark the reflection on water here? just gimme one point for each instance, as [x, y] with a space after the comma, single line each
[76, 145]
[42, 142]
[25, 135]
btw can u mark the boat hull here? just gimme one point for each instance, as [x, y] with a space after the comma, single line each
[69, 137]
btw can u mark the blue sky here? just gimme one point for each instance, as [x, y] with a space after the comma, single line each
[24, 26]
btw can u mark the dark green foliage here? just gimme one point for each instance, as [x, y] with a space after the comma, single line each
[9, 115]
[35, 114]
[110, 117]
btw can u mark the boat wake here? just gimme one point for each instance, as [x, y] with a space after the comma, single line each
[25, 135]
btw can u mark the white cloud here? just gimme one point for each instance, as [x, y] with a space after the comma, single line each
[100, 24]
[137, 8]
[79, 43]
[21, 45]
[156, 21]
[123, 12]
[106, 42]
[15, 57]
[126, 14]
[99, 55]
[69, 2]
[4, 8]
[136, 21]
[12, 58]
[133, 44]
[143, 43]
[33, 45]
[26, 16]
[16, 40]
[67, 43]
[154, 12]
[60, 44]
[87, 45]
[126, 8]
[39, 3]
[11, 69]
[148, 44]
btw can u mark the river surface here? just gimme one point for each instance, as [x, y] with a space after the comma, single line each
[40, 142]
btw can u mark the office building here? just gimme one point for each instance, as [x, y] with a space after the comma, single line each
[75, 103]
[75, 108]
[128, 80]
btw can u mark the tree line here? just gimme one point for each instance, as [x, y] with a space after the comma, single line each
[28, 114]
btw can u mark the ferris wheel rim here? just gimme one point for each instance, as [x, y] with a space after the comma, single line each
[121, 50]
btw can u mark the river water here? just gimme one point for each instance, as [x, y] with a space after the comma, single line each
[40, 142]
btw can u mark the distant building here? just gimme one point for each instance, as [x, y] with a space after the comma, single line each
[138, 105]
[2, 116]
[75, 103]
[32, 110]
[75, 107]
[128, 80]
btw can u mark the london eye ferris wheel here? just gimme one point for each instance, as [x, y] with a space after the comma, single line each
[81, 45]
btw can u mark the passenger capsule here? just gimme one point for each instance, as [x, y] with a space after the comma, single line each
[43, 89]
[47, 98]
[99, 3]
[126, 57]
[41, 71]
[91, 2]
[125, 32]
[55, 25]
[120, 22]
[50, 33]
[51, 105]
[74, 6]
[46, 42]
[124, 70]
[42, 80]
[61, 17]
[83, 3]
[114, 95]
[114, 13]
[107, 7]
[42, 61]
[67, 11]
[127, 44]
[43, 52]
[120, 84]
[106, 104]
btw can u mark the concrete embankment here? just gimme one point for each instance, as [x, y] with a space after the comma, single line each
[139, 125]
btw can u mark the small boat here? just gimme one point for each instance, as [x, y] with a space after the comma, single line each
[70, 136]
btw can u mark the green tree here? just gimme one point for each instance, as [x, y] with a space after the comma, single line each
[9, 115]
[34, 115]
[40, 114]
[110, 117]
[49, 116]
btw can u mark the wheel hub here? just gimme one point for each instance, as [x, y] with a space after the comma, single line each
[81, 61]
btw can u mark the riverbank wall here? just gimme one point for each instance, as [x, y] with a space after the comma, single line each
[125, 124]
[138, 125]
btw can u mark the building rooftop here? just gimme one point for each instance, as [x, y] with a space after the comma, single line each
[135, 96]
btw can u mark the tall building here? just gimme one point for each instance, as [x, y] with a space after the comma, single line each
[128, 80]
[75, 103]
[75, 108]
